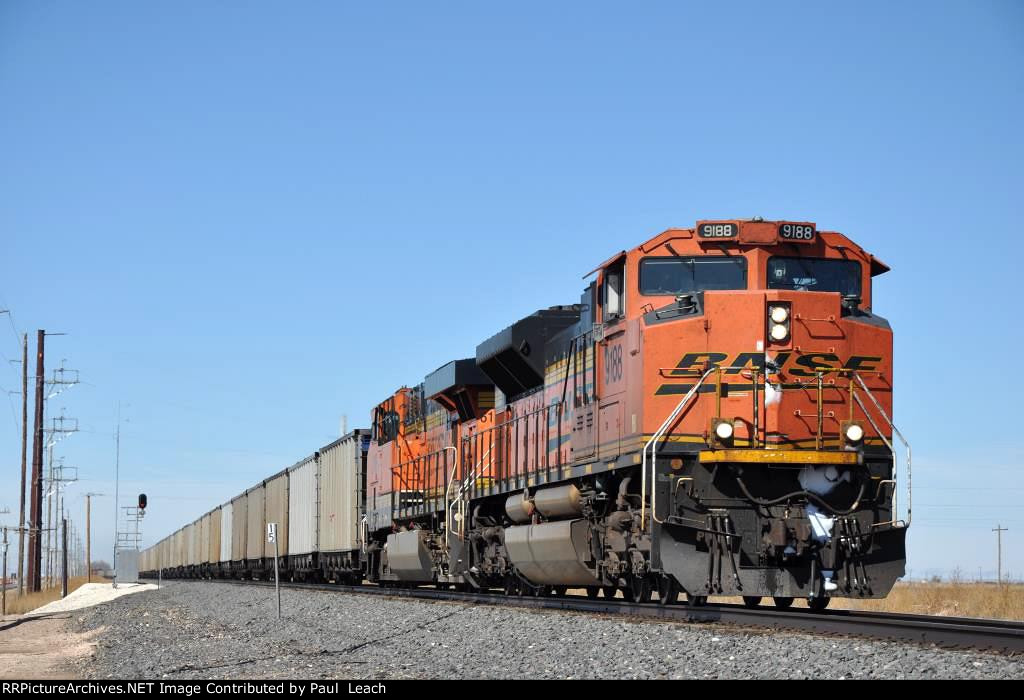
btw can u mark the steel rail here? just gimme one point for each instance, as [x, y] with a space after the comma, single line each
[1004, 636]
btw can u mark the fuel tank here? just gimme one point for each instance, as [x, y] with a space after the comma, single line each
[551, 553]
[409, 556]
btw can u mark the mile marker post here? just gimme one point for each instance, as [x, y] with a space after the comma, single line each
[272, 537]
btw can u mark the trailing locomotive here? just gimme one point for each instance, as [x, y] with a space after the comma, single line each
[713, 418]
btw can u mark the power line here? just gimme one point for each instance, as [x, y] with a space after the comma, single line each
[966, 505]
[10, 363]
[10, 318]
[969, 488]
[14, 413]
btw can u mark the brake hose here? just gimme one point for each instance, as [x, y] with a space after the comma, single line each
[807, 494]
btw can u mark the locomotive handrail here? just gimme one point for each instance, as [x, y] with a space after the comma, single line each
[653, 443]
[464, 486]
[888, 444]
[447, 491]
[892, 451]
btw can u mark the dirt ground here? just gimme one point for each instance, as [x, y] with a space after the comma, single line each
[41, 648]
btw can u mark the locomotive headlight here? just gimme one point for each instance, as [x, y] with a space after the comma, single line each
[854, 433]
[778, 322]
[723, 431]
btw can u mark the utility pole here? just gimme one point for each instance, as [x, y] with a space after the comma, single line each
[35, 559]
[3, 605]
[49, 534]
[24, 450]
[117, 485]
[60, 383]
[999, 530]
[60, 476]
[88, 538]
[64, 552]
[88, 535]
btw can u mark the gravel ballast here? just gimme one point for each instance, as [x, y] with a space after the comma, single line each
[218, 630]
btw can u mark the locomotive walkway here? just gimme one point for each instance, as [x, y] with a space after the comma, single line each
[951, 632]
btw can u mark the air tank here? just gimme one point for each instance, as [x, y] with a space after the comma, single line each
[558, 502]
[519, 508]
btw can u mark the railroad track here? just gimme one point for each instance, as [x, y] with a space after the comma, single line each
[952, 632]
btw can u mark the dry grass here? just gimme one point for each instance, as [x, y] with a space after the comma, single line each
[17, 605]
[950, 598]
[953, 598]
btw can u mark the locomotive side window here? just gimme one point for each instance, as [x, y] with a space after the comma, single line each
[614, 303]
[680, 275]
[815, 275]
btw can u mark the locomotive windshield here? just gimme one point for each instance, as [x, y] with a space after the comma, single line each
[815, 275]
[681, 275]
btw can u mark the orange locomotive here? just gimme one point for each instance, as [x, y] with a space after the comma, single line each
[713, 418]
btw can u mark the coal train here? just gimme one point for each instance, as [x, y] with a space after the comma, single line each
[712, 418]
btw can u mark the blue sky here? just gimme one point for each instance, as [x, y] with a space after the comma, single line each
[254, 218]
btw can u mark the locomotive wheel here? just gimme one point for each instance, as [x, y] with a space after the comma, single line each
[511, 586]
[668, 591]
[818, 604]
[640, 589]
[609, 591]
[751, 601]
[697, 601]
[592, 592]
[783, 603]
[559, 591]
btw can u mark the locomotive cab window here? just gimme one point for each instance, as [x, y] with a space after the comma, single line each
[679, 275]
[614, 285]
[815, 275]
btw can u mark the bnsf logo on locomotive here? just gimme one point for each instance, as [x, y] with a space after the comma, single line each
[804, 365]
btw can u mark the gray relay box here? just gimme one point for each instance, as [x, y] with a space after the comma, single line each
[127, 570]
